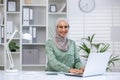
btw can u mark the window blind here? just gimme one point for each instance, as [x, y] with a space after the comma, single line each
[100, 21]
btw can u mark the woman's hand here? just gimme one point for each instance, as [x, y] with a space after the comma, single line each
[74, 70]
[81, 70]
[77, 71]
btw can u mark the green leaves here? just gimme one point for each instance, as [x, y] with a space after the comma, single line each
[89, 39]
[13, 46]
[104, 48]
[112, 61]
[87, 46]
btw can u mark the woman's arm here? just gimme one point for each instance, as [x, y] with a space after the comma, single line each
[78, 63]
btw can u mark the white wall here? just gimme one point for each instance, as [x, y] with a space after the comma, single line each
[101, 20]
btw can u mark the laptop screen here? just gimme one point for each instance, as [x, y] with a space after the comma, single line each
[96, 65]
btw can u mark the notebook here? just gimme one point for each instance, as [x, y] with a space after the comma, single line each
[96, 65]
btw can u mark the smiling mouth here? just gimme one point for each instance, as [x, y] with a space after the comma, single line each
[63, 33]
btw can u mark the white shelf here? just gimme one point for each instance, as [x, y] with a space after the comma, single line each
[15, 52]
[15, 39]
[8, 12]
[39, 22]
[42, 19]
[1, 44]
[39, 5]
[58, 13]
[34, 44]
[1, 5]
[2, 25]
[32, 65]
[13, 16]
[1, 65]
[34, 25]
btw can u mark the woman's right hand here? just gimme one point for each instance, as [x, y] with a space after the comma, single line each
[74, 71]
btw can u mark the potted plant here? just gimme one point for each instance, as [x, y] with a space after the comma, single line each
[88, 46]
[13, 47]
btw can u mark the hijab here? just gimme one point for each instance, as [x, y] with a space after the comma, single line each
[62, 43]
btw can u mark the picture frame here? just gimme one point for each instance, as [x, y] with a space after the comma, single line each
[11, 6]
[53, 8]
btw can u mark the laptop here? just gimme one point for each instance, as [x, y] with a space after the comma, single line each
[96, 65]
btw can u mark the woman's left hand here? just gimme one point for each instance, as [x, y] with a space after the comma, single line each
[81, 70]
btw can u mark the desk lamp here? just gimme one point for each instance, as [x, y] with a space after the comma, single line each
[26, 36]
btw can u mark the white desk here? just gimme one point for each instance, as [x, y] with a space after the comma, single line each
[42, 76]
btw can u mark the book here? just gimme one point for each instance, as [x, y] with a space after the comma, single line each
[2, 32]
[34, 35]
[31, 32]
[2, 27]
[1, 19]
[26, 16]
[30, 16]
[9, 29]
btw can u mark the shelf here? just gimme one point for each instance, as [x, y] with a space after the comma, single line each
[33, 44]
[25, 65]
[15, 39]
[2, 25]
[58, 13]
[1, 65]
[39, 5]
[39, 19]
[8, 12]
[15, 52]
[35, 2]
[1, 5]
[1, 44]
[34, 25]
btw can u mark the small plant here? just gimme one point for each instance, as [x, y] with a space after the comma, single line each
[88, 46]
[13, 47]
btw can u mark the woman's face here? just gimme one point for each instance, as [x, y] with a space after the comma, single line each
[62, 28]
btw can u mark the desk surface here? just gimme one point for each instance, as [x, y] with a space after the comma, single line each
[30, 75]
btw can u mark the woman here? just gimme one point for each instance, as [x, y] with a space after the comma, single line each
[61, 51]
